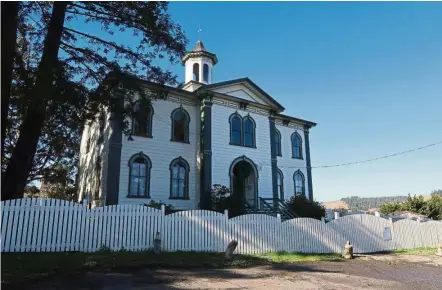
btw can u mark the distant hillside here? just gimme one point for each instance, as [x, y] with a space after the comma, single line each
[335, 205]
[365, 203]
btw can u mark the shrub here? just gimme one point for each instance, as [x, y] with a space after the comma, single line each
[222, 199]
[303, 207]
[157, 205]
[431, 207]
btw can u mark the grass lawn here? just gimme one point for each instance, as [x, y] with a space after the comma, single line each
[24, 267]
[417, 251]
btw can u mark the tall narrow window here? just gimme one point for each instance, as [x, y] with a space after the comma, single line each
[179, 179]
[142, 121]
[180, 125]
[280, 183]
[296, 146]
[235, 129]
[139, 175]
[249, 132]
[278, 143]
[299, 180]
[206, 72]
[196, 72]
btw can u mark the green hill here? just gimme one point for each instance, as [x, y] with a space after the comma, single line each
[365, 203]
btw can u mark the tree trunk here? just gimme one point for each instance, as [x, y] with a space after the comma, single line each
[22, 157]
[9, 24]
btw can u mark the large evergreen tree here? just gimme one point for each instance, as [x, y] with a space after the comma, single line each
[71, 62]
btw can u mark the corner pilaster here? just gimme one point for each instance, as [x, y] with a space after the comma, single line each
[309, 165]
[274, 160]
[206, 150]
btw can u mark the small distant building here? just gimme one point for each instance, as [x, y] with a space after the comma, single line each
[372, 210]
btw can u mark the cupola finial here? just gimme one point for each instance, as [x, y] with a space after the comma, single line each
[199, 32]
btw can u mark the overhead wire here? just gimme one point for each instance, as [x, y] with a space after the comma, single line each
[193, 132]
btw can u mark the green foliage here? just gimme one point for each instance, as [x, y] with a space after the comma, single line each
[390, 207]
[432, 207]
[222, 199]
[104, 249]
[152, 203]
[303, 207]
[31, 191]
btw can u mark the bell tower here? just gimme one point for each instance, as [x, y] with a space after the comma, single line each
[199, 64]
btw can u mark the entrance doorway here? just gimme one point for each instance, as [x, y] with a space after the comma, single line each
[244, 179]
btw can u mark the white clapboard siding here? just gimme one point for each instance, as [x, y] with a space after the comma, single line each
[51, 225]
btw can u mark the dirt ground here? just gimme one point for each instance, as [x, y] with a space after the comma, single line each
[364, 272]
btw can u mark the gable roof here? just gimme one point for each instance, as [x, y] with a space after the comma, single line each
[249, 82]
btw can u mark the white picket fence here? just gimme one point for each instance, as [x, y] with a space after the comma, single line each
[50, 225]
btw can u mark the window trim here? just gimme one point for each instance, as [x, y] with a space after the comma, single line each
[279, 147]
[278, 171]
[296, 135]
[299, 172]
[148, 169]
[240, 128]
[186, 130]
[149, 125]
[246, 118]
[186, 182]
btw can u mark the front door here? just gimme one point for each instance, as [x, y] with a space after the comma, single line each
[249, 189]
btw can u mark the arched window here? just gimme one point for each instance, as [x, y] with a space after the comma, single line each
[139, 176]
[299, 180]
[206, 72]
[179, 179]
[280, 183]
[180, 125]
[278, 143]
[142, 121]
[235, 129]
[196, 72]
[296, 146]
[249, 132]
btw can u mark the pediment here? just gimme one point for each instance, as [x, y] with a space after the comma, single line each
[245, 89]
[241, 92]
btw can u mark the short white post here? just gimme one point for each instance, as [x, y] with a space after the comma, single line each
[226, 214]
[378, 214]
[323, 219]
[278, 217]
[336, 215]
[163, 209]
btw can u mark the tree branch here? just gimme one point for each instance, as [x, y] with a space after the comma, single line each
[77, 58]
[112, 44]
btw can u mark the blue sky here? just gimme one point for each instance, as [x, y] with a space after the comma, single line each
[370, 75]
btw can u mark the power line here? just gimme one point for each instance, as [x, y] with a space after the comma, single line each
[379, 158]
[367, 160]
[193, 132]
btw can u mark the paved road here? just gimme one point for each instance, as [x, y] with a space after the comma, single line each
[374, 272]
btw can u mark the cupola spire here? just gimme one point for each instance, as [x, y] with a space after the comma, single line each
[199, 63]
